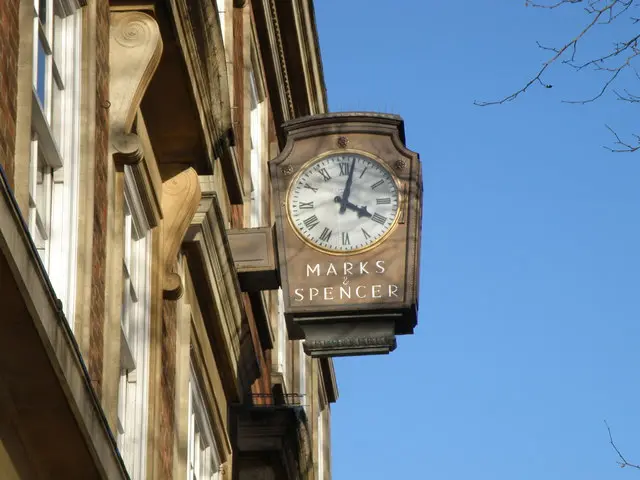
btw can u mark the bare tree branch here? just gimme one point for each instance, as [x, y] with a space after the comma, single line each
[611, 64]
[528, 3]
[625, 147]
[558, 52]
[623, 461]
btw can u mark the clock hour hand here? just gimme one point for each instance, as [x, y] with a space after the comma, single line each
[347, 188]
[362, 211]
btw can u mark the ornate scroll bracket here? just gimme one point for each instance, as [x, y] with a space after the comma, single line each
[180, 200]
[135, 48]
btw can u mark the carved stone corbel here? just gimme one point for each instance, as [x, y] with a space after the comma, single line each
[135, 48]
[180, 200]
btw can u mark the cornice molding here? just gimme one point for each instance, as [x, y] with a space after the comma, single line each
[200, 37]
[281, 56]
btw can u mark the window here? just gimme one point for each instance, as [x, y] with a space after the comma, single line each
[53, 172]
[134, 332]
[258, 160]
[203, 462]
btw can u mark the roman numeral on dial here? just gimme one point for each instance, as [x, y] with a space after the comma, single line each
[325, 174]
[311, 221]
[345, 238]
[305, 205]
[306, 185]
[344, 168]
[325, 235]
[379, 218]
[383, 201]
[365, 233]
[377, 184]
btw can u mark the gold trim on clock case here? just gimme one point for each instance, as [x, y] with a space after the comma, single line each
[304, 167]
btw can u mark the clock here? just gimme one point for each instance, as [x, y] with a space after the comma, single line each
[343, 202]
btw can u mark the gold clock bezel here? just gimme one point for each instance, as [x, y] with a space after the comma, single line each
[303, 168]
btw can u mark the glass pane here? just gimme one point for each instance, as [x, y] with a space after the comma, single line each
[43, 11]
[126, 238]
[125, 313]
[58, 46]
[39, 241]
[55, 119]
[43, 177]
[253, 90]
[41, 80]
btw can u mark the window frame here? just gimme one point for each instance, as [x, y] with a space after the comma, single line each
[135, 326]
[55, 144]
[198, 416]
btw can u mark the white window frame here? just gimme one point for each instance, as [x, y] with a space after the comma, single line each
[133, 393]
[281, 336]
[203, 463]
[55, 145]
[302, 375]
[258, 145]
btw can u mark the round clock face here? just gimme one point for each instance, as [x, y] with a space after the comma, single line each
[343, 202]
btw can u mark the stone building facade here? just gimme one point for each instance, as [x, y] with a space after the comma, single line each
[134, 140]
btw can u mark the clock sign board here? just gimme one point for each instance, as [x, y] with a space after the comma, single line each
[348, 198]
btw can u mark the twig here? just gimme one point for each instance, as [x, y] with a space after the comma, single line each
[623, 461]
[628, 148]
[599, 10]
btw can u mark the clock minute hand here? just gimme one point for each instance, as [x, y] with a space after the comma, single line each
[347, 188]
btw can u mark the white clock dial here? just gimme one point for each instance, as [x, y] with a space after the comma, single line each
[343, 202]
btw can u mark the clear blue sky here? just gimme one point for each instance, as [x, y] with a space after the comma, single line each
[530, 308]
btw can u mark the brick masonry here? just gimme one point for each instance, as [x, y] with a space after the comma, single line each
[96, 335]
[167, 388]
[9, 25]
[237, 211]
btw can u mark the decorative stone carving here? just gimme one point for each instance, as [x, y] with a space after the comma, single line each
[135, 48]
[326, 336]
[180, 199]
[386, 343]
[134, 54]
